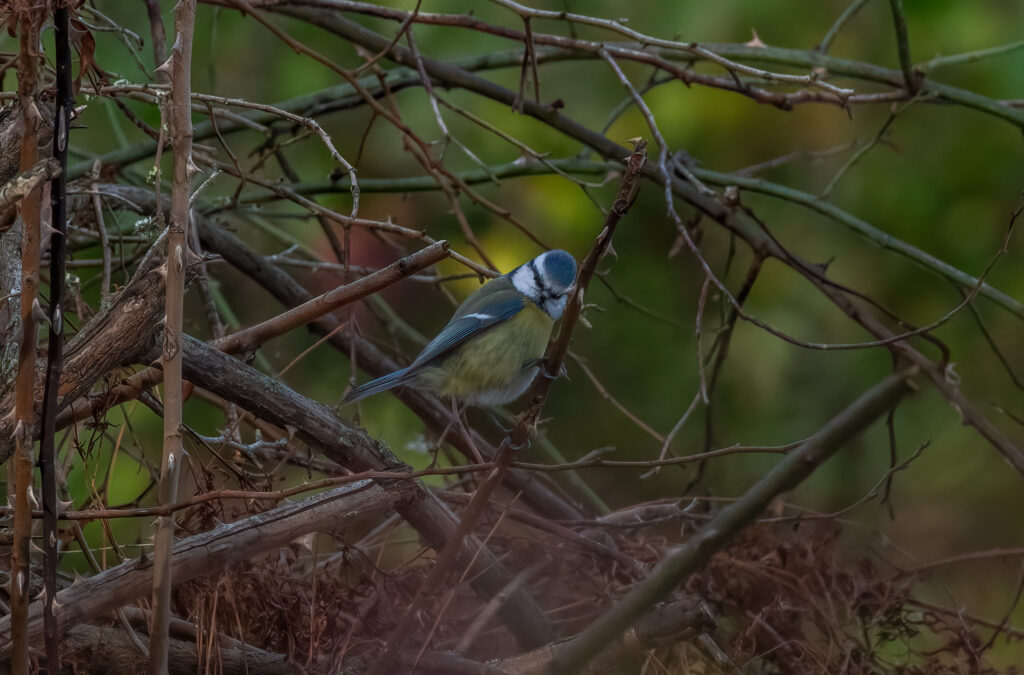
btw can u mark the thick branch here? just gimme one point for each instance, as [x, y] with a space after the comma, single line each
[107, 649]
[332, 511]
[322, 430]
[119, 336]
[20, 470]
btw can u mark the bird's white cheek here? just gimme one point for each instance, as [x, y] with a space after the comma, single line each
[522, 281]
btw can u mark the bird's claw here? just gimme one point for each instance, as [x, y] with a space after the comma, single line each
[562, 372]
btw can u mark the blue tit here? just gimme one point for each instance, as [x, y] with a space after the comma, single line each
[490, 351]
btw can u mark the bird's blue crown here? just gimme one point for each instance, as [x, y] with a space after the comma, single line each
[559, 269]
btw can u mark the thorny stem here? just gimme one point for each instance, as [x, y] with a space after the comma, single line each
[55, 348]
[171, 353]
[761, 244]
[24, 411]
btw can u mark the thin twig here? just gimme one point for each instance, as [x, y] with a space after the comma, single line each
[971, 57]
[910, 77]
[848, 13]
[101, 229]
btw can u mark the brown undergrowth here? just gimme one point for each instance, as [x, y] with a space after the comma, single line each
[785, 599]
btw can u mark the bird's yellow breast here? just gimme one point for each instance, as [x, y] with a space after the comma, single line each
[497, 365]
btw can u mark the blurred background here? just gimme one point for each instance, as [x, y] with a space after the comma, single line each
[944, 178]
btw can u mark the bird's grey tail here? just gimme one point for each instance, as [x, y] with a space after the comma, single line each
[395, 379]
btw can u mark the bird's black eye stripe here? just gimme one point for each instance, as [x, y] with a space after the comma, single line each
[544, 294]
[537, 279]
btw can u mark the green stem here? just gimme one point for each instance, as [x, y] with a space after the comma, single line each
[676, 568]
[864, 229]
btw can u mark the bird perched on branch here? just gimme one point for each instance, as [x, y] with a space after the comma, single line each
[491, 350]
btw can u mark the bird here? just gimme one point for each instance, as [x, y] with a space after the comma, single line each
[492, 348]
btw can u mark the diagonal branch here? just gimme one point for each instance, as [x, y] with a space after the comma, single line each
[734, 220]
[206, 553]
[676, 568]
[323, 431]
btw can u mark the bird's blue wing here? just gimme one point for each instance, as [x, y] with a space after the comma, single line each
[462, 328]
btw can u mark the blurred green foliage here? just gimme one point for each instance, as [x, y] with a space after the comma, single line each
[945, 179]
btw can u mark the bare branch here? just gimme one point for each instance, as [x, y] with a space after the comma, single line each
[910, 77]
[205, 553]
[675, 568]
[28, 27]
[848, 13]
[25, 182]
[55, 343]
[171, 356]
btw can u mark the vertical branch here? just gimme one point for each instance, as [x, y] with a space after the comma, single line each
[177, 236]
[55, 344]
[24, 405]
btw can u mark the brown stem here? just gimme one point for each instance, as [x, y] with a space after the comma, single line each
[24, 407]
[159, 37]
[177, 252]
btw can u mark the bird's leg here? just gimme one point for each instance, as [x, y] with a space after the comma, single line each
[457, 415]
[539, 363]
